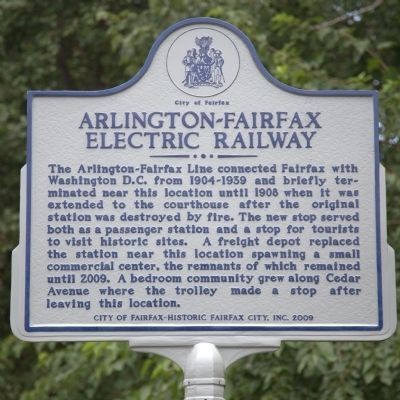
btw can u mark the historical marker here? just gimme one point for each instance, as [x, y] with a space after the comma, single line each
[203, 197]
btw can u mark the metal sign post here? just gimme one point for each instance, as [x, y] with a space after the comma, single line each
[203, 210]
[204, 363]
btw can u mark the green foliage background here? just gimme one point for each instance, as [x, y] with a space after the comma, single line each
[311, 44]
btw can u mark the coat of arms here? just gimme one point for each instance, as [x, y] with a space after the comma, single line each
[203, 66]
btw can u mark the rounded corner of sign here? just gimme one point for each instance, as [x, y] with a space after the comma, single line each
[387, 331]
[375, 94]
[30, 94]
[19, 328]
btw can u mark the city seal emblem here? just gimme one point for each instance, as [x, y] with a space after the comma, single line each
[203, 62]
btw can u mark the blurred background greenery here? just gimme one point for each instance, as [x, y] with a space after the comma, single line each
[75, 44]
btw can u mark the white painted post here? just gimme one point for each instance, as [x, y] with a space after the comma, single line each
[204, 359]
[204, 373]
